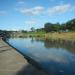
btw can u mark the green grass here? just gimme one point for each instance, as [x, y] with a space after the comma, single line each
[51, 35]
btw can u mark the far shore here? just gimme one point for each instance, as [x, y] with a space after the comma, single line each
[62, 36]
[50, 35]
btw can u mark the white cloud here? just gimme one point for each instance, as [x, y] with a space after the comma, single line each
[32, 11]
[2, 13]
[59, 9]
[30, 22]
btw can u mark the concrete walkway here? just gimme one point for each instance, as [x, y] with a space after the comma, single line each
[13, 63]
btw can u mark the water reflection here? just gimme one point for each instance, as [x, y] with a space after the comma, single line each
[55, 56]
[65, 44]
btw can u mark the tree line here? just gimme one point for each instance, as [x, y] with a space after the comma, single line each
[57, 27]
[48, 27]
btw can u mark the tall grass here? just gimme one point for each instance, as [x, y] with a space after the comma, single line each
[62, 35]
[51, 35]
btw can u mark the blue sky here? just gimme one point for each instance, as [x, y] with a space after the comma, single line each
[24, 14]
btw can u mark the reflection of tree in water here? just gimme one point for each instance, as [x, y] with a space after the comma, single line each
[65, 44]
[32, 39]
[69, 45]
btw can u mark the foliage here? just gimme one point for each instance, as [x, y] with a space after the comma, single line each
[24, 31]
[32, 29]
[71, 25]
[49, 27]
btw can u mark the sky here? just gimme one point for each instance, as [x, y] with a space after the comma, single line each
[24, 14]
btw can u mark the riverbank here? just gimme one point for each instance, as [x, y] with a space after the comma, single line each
[52, 35]
[13, 63]
[62, 36]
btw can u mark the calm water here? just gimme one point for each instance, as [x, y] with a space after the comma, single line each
[56, 57]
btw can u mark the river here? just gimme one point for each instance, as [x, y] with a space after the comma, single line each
[55, 57]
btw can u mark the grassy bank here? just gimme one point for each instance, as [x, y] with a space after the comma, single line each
[51, 35]
[62, 35]
[55, 35]
[28, 34]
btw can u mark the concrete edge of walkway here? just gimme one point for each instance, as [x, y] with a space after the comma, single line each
[29, 60]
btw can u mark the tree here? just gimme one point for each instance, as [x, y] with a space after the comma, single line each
[32, 29]
[40, 30]
[24, 31]
[70, 25]
[52, 27]
[48, 27]
[62, 27]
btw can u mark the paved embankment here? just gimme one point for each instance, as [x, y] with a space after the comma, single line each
[13, 63]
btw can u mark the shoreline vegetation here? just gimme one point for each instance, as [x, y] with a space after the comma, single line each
[48, 36]
[55, 31]
[61, 36]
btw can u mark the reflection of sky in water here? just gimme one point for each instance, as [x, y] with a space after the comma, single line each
[47, 57]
